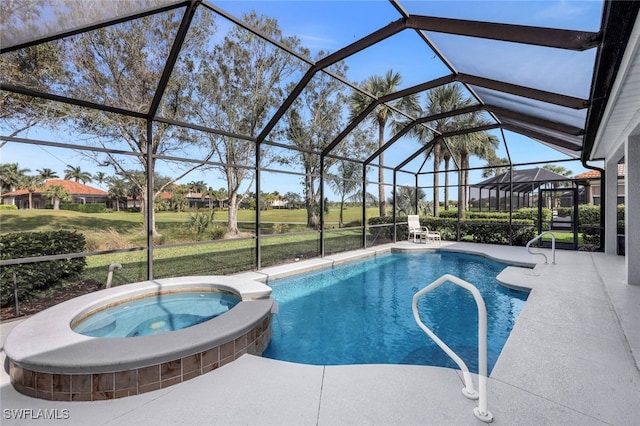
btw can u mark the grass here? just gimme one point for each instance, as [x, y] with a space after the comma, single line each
[125, 222]
[118, 230]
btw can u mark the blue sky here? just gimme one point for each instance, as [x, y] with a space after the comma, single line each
[330, 25]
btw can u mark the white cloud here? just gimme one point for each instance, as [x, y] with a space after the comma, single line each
[563, 9]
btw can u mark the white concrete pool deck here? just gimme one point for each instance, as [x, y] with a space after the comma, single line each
[572, 359]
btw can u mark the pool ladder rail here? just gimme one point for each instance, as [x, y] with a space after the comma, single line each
[481, 411]
[553, 246]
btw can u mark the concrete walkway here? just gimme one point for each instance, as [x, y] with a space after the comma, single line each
[569, 361]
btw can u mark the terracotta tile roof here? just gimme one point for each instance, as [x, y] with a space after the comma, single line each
[75, 188]
[591, 174]
[595, 174]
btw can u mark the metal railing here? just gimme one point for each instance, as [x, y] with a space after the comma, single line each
[553, 246]
[481, 411]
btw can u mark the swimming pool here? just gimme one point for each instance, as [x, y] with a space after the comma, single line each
[360, 313]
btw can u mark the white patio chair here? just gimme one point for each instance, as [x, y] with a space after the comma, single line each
[415, 229]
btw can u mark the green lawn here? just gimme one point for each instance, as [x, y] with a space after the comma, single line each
[124, 222]
[117, 230]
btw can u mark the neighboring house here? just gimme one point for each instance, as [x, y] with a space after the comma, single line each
[591, 182]
[80, 193]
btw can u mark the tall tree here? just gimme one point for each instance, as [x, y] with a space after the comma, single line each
[57, 193]
[495, 166]
[117, 188]
[122, 65]
[46, 174]
[237, 85]
[480, 144]
[405, 198]
[561, 170]
[441, 99]
[312, 122]
[99, 177]
[31, 184]
[197, 187]
[347, 183]
[10, 176]
[38, 67]
[76, 174]
[380, 86]
[446, 158]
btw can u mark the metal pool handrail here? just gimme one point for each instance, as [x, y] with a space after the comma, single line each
[553, 246]
[481, 412]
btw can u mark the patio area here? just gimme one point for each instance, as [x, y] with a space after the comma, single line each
[572, 358]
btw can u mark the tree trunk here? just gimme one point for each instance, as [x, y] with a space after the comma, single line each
[436, 179]
[446, 183]
[232, 226]
[381, 197]
[313, 221]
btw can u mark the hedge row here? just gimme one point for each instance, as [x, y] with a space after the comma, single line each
[527, 213]
[84, 208]
[33, 277]
[489, 231]
[8, 207]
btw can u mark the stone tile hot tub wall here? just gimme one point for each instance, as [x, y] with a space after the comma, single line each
[94, 387]
[66, 366]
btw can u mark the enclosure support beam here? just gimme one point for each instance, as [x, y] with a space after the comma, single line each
[149, 213]
[632, 208]
[609, 196]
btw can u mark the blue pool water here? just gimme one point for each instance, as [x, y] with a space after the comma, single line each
[156, 314]
[360, 313]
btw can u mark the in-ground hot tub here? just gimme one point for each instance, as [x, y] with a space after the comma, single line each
[48, 360]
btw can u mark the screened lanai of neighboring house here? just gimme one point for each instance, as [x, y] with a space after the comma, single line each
[336, 102]
[515, 186]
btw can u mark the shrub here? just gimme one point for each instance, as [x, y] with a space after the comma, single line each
[589, 223]
[489, 231]
[8, 207]
[451, 213]
[109, 239]
[84, 208]
[32, 277]
[531, 213]
[217, 232]
[280, 228]
[487, 215]
[588, 214]
[199, 222]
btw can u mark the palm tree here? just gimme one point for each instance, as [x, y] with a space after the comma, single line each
[76, 174]
[441, 99]
[346, 184]
[480, 144]
[46, 174]
[495, 166]
[446, 157]
[100, 177]
[11, 176]
[405, 199]
[211, 194]
[380, 86]
[31, 184]
[197, 187]
[117, 188]
[57, 192]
